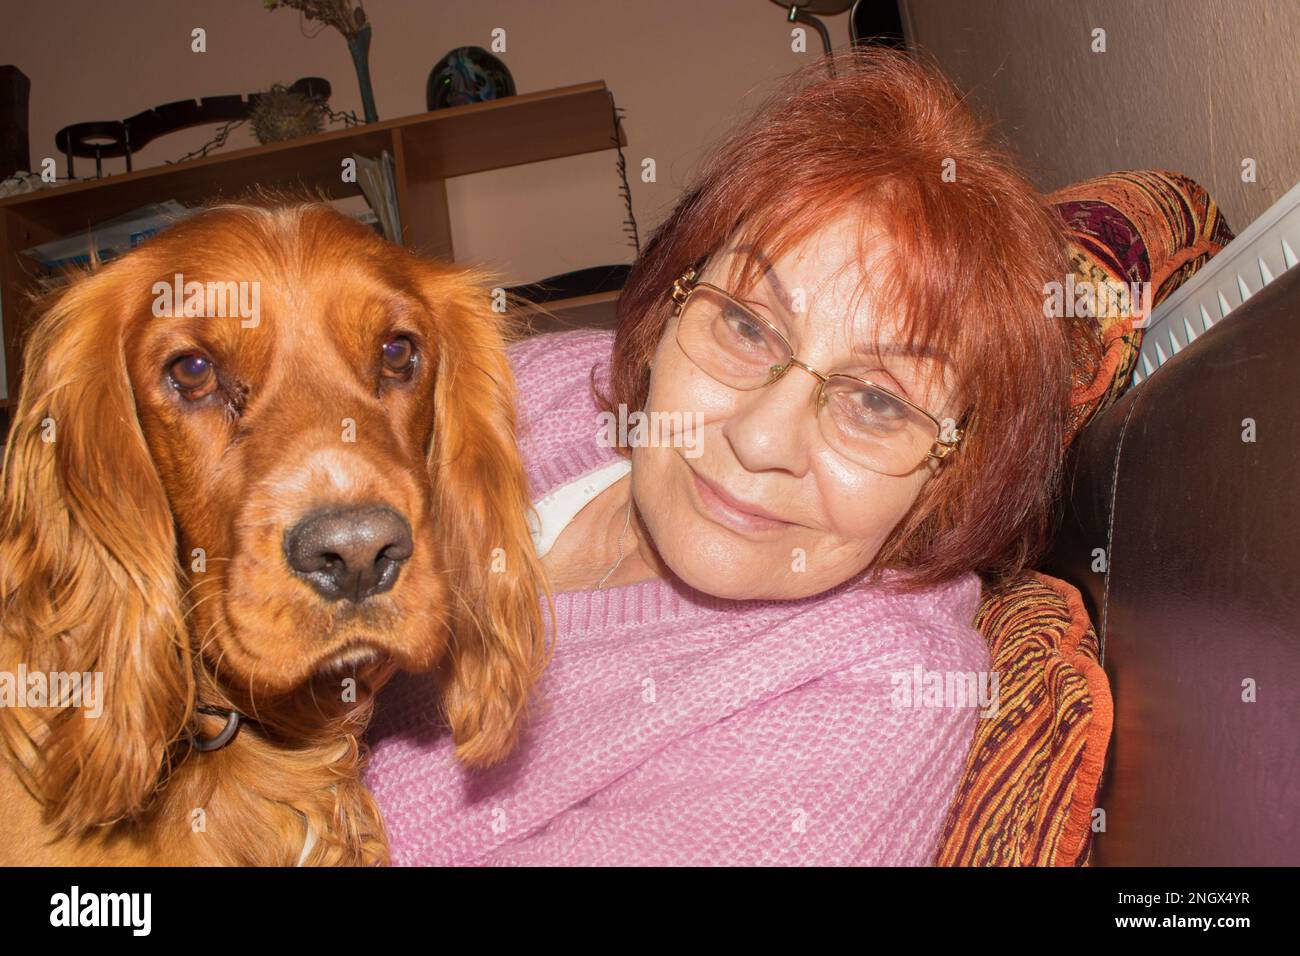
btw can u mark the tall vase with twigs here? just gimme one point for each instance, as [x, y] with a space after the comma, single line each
[349, 19]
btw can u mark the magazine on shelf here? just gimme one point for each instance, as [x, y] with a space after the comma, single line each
[106, 240]
[378, 181]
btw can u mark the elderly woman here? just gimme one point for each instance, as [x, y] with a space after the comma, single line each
[852, 406]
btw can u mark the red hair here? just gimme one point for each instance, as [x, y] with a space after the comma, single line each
[975, 245]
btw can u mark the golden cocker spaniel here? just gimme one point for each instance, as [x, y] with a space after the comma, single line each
[257, 464]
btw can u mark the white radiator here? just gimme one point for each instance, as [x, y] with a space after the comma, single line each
[1265, 249]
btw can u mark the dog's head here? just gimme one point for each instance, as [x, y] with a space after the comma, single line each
[273, 450]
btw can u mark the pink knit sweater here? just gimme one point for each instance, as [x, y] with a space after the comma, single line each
[677, 728]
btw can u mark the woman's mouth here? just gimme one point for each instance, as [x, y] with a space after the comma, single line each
[730, 512]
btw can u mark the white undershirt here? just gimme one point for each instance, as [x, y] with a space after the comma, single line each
[556, 510]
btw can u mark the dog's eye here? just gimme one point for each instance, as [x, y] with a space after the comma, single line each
[194, 375]
[398, 356]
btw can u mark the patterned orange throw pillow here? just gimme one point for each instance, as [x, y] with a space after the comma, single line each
[1143, 231]
[1026, 797]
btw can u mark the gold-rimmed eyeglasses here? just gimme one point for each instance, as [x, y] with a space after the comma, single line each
[862, 421]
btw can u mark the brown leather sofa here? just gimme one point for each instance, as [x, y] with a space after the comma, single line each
[1198, 606]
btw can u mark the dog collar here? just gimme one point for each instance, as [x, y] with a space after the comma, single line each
[224, 736]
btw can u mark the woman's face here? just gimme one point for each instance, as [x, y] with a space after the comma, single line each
[822, 518]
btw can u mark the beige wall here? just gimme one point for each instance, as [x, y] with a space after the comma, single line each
[1194, 85]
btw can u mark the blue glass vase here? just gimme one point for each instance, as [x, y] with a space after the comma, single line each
[359, 47]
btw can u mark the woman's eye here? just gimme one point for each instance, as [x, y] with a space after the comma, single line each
[860, 409]
[194, 375]
[743, 326]
[744, 331]
[398, 356]
[881, 405]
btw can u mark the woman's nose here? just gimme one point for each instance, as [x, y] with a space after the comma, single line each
[773, 426]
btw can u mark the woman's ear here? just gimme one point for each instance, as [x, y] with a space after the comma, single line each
[89, 581]
[498, 642]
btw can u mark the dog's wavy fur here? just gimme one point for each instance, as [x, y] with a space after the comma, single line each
[97, 527]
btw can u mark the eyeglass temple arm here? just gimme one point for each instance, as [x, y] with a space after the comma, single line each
[942, 447]
[683, 285]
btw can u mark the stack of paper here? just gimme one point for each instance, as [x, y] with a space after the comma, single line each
[378, 180]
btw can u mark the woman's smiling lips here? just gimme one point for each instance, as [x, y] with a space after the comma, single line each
[731, 512]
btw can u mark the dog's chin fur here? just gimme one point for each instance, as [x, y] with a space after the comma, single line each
[361, 638]
[359, 665]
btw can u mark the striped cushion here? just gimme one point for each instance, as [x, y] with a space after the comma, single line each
[1138, 226]
[1026, 797]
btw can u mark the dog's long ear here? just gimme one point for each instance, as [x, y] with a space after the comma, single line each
[499, 648]
[89, 579]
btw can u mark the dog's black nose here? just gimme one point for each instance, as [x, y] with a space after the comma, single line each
[350, 553]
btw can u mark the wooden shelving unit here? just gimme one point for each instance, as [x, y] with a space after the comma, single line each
[428, 149]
